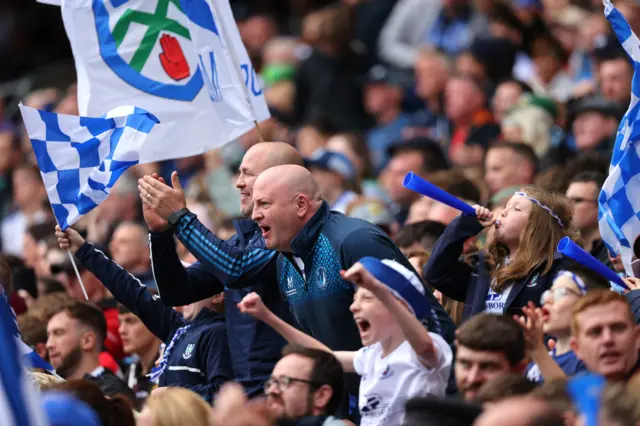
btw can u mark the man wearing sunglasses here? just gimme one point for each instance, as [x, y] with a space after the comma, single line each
[557, 303]
[305, 387]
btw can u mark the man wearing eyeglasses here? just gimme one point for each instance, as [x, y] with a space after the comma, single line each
[306, 387]
[583, 192]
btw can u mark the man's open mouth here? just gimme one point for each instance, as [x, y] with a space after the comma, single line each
[363, 325]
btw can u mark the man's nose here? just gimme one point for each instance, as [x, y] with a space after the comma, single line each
[474, 375]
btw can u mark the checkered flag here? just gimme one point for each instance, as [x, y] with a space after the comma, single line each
[81, 158]
[619, 200]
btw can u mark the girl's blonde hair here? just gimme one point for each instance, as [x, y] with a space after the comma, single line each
[538, 243]
[178, 406]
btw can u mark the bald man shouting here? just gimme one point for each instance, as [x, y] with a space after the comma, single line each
[242, 263]
[316, 244]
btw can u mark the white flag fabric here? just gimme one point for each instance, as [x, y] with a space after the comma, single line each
[173, 58]
[81, 158]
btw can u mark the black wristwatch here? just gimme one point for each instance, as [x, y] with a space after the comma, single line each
[175, 216]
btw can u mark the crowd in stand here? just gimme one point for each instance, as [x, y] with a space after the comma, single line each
[303, 270]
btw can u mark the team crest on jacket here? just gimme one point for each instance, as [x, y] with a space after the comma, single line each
[188, 351]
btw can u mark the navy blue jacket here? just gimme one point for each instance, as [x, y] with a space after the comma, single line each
[452, 276]
[319, 297]
[200, 360]
[242, 262]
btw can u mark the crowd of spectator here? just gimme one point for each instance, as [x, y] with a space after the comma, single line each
[301, 268]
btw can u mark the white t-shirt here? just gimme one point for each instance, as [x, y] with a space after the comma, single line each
[387, 383]
[495, 302]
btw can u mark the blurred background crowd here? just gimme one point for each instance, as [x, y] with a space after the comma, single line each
[481, 97]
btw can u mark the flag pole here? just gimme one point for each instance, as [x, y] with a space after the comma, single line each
[260, 137]
[234, 57]
[75, 267]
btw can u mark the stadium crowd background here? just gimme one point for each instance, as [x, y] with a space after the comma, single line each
[479, 97]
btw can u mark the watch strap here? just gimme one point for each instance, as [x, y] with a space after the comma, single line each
[175, 216]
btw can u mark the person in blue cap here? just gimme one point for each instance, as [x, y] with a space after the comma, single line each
[62, 409]
[335, 174]
[401, 358]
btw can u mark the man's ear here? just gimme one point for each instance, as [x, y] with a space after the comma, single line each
[575, 347]
[322, 396]
[302, 205]
[88, 340]
[41, 350]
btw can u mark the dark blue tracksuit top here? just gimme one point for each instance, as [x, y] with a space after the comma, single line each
[200, 360]
[242, 262]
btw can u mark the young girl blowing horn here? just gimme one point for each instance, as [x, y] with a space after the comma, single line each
[520, 261]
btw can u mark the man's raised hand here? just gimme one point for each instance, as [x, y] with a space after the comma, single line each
[162, 198]
[69, 239]
[154, 221]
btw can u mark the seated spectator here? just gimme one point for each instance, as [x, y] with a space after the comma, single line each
[373, 211]
[550, 79]
[138, 341]
[383, 94]
[456, 184]
[530, 122]
[583, 192]
[420, 156]
[34, 246]
[33, 332]
[129, 247]
[419, 236]
[76, 336]
[28, 196]
[175, 406]
[388, 299]
[509, 164]
[114, 410]
[488, 346]
[605, 336]
[334, 174]
[518, 264]
[614, 76]
[502, 387]
[506, 96]
[306, 384]
[97, 294]
[568, 288]
[473, 125]
[595, 123]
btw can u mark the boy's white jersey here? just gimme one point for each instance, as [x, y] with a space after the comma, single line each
[387, 383]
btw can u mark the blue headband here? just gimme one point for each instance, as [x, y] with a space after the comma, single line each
[542, 206]
[399, 285]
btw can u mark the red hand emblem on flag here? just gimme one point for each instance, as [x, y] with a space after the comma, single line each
[172, 58]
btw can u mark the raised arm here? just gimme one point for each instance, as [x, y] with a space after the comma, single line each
[415, 333]
[160, 319]
[252, 304]
[444, 270]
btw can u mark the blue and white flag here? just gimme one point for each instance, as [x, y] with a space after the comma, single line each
[182, 60]
[29, 357]
[19, 403]
[81, 158]
[619, 200]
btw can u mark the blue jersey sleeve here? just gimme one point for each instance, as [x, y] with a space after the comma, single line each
[159, 318]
